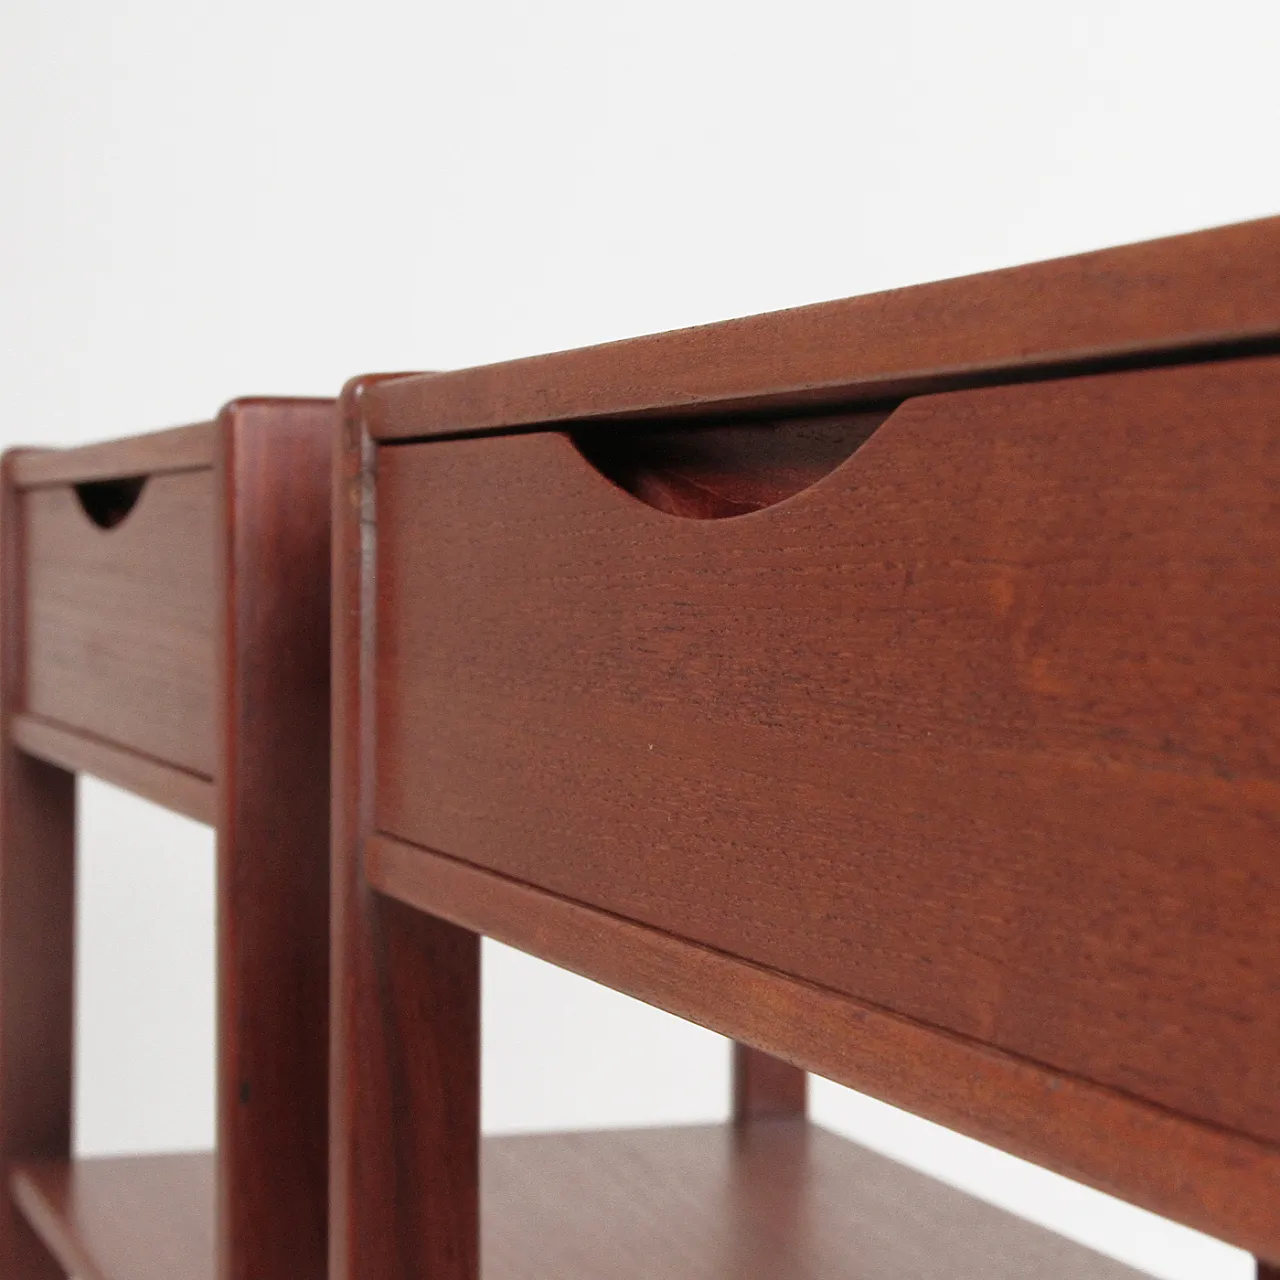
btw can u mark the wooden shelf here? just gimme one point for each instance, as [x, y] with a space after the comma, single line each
[776, 1200]
[123, 1218]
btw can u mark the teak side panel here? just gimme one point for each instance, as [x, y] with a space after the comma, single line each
[119, 624]
[1139, 301]
[981, 729]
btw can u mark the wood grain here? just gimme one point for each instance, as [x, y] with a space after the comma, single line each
[1216, 1181]
[404, 1121]
[37, 924]
[123, 1218]
[773, 1200]
[274, 474]
[1137, 303]
[714, 473]
[156, 453]
[162, 784]
[983, 728]
[124, 651]
[119, 628]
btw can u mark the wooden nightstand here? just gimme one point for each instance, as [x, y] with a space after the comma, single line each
[165, 627]
[945, 764]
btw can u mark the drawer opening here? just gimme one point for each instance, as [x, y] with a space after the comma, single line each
[714, 472]
[108, 502]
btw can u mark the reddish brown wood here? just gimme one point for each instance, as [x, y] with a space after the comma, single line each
[1217, 1181]
[37, 924]
[1267, 1272]
[124, 1218]
[972, 731]
[186, 793]
[274, 473]
[713, 473]
[126, 660]
[775, 1200]
[120, 622]
[765, 1087]
[949, 770]
[156, 453]
[404, 1145]
[1138, 303]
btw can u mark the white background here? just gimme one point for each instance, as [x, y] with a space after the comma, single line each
[204, 200]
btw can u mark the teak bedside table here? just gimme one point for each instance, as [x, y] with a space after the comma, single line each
[948, 767]
[165, 627]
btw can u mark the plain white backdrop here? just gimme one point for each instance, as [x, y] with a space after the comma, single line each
[201, 200]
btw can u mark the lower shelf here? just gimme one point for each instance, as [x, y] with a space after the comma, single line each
[123, 1218]
[775, 1200]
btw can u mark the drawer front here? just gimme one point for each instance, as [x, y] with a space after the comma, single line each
[983, 728]
[119, 620]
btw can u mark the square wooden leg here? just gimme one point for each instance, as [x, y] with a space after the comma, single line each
[405, 1118]
[273, 841]
[766, 1088]
[37, 923]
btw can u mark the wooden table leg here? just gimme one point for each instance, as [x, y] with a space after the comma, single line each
[37, 931]
[405, 1116]
[273, 841]
[765, 1087]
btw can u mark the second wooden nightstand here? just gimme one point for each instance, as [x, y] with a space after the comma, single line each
[166, 627]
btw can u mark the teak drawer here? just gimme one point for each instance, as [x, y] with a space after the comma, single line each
[120, 620]
[973, 729]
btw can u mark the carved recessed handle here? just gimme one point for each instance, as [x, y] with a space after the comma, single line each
[712, 472]
[108, 502]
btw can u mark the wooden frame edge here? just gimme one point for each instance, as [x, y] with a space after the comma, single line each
[1121, 306]
[352, 563]
[1219, 1182]
[189, 794]
[192, 448]
[404, 1019]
